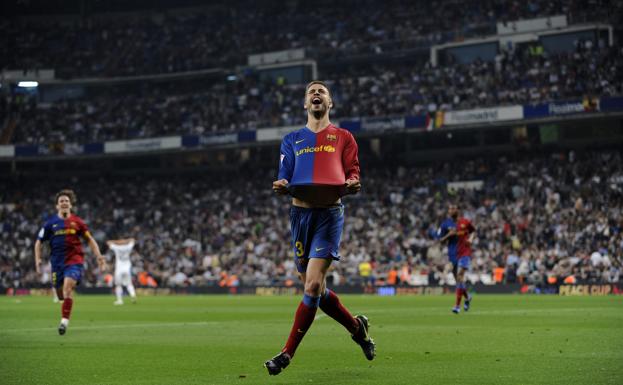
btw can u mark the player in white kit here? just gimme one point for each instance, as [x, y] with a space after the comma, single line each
[123, 268]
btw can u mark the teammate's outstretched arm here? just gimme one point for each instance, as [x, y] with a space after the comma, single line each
[37, 256]
[101, 261]
[451, 232]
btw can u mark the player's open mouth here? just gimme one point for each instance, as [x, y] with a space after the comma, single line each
[316, 101]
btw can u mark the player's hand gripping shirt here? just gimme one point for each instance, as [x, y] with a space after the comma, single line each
[327, 158]
[64, 236]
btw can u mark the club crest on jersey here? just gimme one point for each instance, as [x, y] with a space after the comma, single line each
[332, 137]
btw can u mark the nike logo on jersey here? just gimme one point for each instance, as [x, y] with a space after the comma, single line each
[319, 248]
[299, 141]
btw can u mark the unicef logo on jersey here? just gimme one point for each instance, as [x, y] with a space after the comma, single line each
[310, 149]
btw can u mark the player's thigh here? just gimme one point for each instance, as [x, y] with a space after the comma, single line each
[69, 284]
[328, 234]
[72, 277]
[316, 273]
[301, 226]
[461, 273]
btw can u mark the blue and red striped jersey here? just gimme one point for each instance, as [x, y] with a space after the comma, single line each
[328, 157]
[464, 228]
[64, 236]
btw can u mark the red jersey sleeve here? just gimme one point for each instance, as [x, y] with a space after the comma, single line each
[470, 227]
[83, 229]
[350, 159]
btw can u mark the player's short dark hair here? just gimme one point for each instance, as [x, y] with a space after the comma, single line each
[317, 82]
[68, 193]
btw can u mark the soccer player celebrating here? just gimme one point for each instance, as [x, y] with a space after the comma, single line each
[318, 166]
[63, 231]
[122, 248]
[459, 233]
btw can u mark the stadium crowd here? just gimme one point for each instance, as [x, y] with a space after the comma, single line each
[515, 77]
[540, 220]
[225, 32]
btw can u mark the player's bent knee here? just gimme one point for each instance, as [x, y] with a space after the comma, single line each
[313, 288]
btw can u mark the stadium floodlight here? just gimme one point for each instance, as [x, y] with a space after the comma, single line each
[232, 78]
[28, 84]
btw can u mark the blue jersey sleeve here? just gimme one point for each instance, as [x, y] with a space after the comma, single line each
[44, 233]
[443, 230]
[286, 159]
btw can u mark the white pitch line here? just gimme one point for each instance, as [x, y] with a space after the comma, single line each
[119, 326]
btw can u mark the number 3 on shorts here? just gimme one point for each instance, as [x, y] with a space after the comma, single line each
[299, 248]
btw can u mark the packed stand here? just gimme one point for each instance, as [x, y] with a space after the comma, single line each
[540, 220]
[224, 33]
[515, 77]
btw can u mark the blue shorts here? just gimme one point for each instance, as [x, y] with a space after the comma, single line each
[71, 271]
[316, 233]
[465, 262]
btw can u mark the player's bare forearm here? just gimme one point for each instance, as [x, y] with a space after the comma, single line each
[471, 238]
[450, 233]
[37, 255]
[96, 250]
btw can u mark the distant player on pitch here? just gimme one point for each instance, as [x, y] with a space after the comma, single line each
[64, 231]
[459, 233]
[122, 248]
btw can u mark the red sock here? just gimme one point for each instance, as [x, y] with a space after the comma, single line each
[302, 321]
[66, 308]
[331, 305]
[459, 294]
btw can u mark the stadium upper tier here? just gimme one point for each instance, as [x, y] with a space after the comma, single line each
[538, 218]
[225, 32]
[516, 77]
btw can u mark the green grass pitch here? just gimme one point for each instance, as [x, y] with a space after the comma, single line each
[508, 339]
